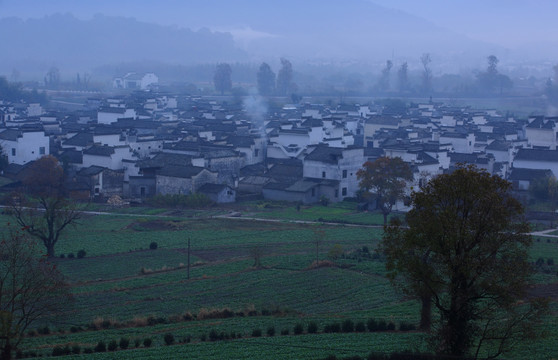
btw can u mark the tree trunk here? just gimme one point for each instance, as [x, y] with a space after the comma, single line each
[6, 351]
[426, 312]
[50, 250]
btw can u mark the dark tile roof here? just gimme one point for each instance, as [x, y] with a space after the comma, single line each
[498, 145]
[79, 139]
[164, 159]
[212, 188]
[528, 174]
[325, 154]
[99, 150]
[185, 172]
[71, 156]
[11, 135]
[537, 155]
[90, 171]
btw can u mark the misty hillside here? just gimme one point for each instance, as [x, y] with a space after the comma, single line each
[353, 29]
[241, 31]
[73, 44]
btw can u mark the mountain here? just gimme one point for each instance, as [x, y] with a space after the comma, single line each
[77, 45]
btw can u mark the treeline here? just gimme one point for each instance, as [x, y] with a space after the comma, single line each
[14, 92]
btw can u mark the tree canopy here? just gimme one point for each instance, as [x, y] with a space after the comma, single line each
[266, 80]
[31, 288]
[222, 78]
[285, 77]
[465, 248]
[43, 209]
[385, 179]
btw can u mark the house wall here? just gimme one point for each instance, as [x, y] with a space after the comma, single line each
[30, 146]
[203, 178]
[112, 182]
[540, 165]
[110, 140]
[136, 184]
[541, 137]
[165, 185]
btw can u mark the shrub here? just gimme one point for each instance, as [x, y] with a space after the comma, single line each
[112, 346]
[88, 350]
[382, 325]
[101, 346]
[75, 329]
[71, 256]
[153, 245]
[44, 331]
[124, 343]
[312, 327]
[550, 261]
[147, 342]
[169, 339]
[405, 326]
[62, 256]
[256, 333]
[348, 326]
[285, 331]
[271, 331]
[390, 326]
[298, 329]
[81, 254]
[203, 337]
[332, 328]
[360, 327]
[76, 349]
[137, 343]
[58, 351]
[213, 335]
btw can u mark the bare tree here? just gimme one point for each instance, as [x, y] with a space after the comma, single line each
[41, 208]
[425, 59]
[31, 288]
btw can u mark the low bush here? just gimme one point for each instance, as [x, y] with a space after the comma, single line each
[348, 326]
[285, 331]
[360, 327]
[332, 328]
[124, 343]
[71, 256]
[153, 245]
[312, 327]
[271, 331]
[298, 329]
[112, 345]
[81, 254]
[147, 342]
[169, 339]
[101, 346]
[76, 349]
[256, 333]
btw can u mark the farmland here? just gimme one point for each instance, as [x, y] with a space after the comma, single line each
[124, 289]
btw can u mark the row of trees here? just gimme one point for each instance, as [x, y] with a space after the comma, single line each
[488, 81]
[464, 250]
[267, 82]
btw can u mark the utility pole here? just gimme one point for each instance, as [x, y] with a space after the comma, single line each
[188, 258]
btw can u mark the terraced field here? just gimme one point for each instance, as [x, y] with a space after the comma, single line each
[122, 289]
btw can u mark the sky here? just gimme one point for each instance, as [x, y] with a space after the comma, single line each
[510, 23]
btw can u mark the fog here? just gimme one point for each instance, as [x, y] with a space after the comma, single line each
[351, 34]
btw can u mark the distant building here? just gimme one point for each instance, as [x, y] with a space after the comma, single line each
[135, 81]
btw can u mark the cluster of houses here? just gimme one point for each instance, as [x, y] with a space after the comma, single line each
[148, 143]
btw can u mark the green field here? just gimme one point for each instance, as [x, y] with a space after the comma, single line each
[140, 293]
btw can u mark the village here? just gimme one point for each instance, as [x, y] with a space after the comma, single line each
[142, 143]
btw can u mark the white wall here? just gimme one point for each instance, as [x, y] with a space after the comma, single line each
[30, 146]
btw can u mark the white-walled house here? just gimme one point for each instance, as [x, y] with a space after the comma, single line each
[541, 132]
[340, 164]
[109, 115]
[537, 159]
[110, 157]
[22, 147]
[461, 143]
[135, 81]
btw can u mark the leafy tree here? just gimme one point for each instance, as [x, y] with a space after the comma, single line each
[266, 80]
[285, 77]
[31, 288]
[383, 84]
[222, 78]
[47, 213]
[385, 179]
[403, 77]
[546, 188]
[466, 245]
[490, 80]
[425, 59]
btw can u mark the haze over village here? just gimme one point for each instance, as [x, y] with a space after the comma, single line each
[238, 179]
